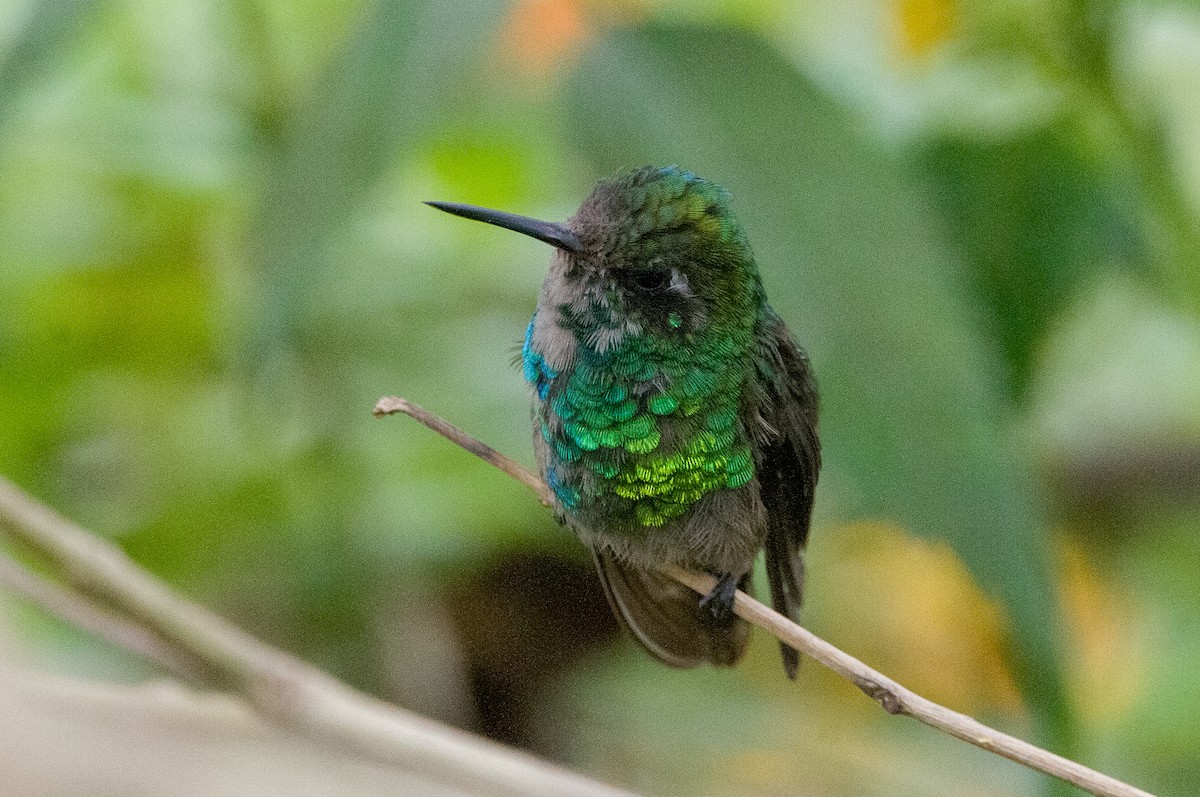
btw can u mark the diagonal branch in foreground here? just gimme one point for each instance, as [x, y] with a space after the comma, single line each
[63, 603]
[280, 687]
[894, 698]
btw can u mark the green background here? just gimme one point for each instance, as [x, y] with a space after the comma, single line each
[979, 218]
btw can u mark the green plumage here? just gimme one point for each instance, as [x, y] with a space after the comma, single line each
[674, 419]
[605, 420]
[606, 426]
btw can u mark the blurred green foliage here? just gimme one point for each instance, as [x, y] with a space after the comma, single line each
[978, 217]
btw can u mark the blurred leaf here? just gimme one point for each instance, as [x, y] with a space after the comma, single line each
[399, 67]
[1158, 739]
[1034, 219]
[1115, 403]
[388, 85]
[914, 415]
[50, 25]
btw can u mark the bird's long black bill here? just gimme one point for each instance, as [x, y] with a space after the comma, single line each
[556, 235]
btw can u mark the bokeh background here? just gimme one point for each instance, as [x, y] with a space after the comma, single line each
[979, 217]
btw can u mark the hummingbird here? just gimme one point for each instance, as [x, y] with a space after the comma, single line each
[674, 417]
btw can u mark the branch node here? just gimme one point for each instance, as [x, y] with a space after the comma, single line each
[885, 696]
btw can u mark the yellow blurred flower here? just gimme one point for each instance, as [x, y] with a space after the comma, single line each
[920, 26]
[908, 607]
[1111, 642]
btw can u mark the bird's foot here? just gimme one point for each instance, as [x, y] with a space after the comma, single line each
[719, 601]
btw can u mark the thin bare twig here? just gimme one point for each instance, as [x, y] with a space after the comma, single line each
[894, 698]
[390, 405]
[279, 686]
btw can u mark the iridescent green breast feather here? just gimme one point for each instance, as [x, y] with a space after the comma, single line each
[642, 431]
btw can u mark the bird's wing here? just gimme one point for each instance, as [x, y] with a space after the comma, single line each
[789, 461]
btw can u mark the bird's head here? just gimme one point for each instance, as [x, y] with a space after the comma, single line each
[658, 245]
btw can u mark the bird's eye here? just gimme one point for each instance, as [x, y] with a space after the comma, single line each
[650, 280]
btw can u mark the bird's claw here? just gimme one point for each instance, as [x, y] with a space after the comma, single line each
[719, 601]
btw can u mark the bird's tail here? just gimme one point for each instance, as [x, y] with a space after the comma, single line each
[666, 618]
[785, 572]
